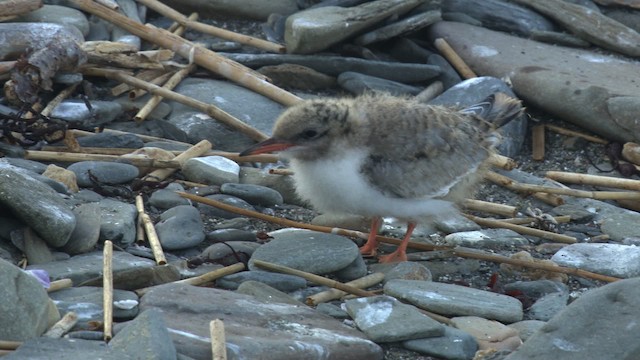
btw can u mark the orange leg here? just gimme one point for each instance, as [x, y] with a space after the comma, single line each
[401, 252]
[370, 248]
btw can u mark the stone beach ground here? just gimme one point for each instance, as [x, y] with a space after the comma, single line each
[573, 63]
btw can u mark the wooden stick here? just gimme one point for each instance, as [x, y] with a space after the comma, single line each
[218, 348]
[599, 195]
[528, 220]
[144, 75]
[68, 321]
[12, 8]
[9, 345]
[503, 162]
[523, 230]
[594, 180]
[280, 171]
[201, 56]
[107, 289]
[212, 275]
[76, 157]
[139, 223]
[194, 151]
[631, 152]
[563, 131]
[210, 110]
[361, 283]
[153, 102]
[179, 29]
[551, 199]
[489, 207]
[454, 59]
[537, 139]
[160, 81]
[152, 236]
[59, 285]
[384, 239]
[58, 99]
[165, 10]
[430, 92]
[111, 4]
[312, 277]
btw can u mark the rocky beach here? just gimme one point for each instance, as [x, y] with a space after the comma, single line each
[130, 228]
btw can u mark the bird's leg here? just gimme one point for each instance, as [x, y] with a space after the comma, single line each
[370, 248]
[401, 252]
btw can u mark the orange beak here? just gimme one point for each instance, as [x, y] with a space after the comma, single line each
[267, 146]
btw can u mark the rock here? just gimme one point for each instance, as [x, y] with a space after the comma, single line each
[253, 194]
[34, 248]
[385, 319]
[68, 178]
[209, 210]
[118, 222]
[359, 84]
[231, 235]
[66, 349]
[407, 25]
[253, 9]
[86, 302]
[211, 170]
[266, 293]
[167, 199]
[36, 205]
[139, 277]
[548, 306]
[546, 80]
[607, 312]
[180, 227]
[76, 111]
[453, 344]
[597, 258]
[253, 326]
[147, 337]
[87, 231]
[104, 172]
[316, 29]
[526, 328]
[110, 140]
[406, 270]
[489, 334]
[449, 299]
[282, 184]
[281, 282]
[58, 15]
[292, 76]
[25, 310]
[486, 238]
[620, 225]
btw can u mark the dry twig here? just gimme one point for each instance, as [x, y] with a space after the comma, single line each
[456, 61]
[107, 289]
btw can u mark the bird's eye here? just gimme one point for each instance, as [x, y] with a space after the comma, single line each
[309, 134]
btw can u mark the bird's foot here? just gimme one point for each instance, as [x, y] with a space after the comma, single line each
[368, 251]
[396, 256]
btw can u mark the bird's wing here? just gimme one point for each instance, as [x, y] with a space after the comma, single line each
[427, 158]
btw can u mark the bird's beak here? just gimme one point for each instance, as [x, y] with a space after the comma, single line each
[267, 146]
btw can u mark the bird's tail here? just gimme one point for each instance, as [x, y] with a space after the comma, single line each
[497, 109]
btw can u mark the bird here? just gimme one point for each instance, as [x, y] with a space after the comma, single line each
[378, 155]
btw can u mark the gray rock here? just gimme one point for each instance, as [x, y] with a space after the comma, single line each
[253, 194]
[87, 231]
[117, 222]
[32, 246]
[490, 238]
[316, 29]
[449, 299]
[282, 282]
[404, 26]
[211, 170]
[584, 329]
[454, 344]
[111, 140]
[449, 76]
[310, 251]
[230, 235]
[104, 172]
[254, 328]
[266, 293]
[385, 319]
[58, 15]
[34, 166]
[620, 225]
[102, 112]
[88, 266]
[548, 306]
[355, 270]
[332, 310]
[36, 205]
[598, 258]
[226, 253]
[253, 9]
[209, 210]
[282, 184]
[86, 302]
[537, 288]
[594, 80]
[25, 312]
[359, 84]
[147, 337]
[66, 349]
[135, 278]
[406, 270]
[526, 328]
[166, 199]
[180, 227]
[578, 214]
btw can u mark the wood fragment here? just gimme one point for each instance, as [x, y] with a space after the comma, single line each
[139, 224]
[59, 285]
[201, 56]
[430, 92]
[107, 289]
[153, 102]
[563, 131]
[594, 180]
[631, 152]
[489, 207]
[213, 275]
[12, 8]
[159, 80]
[144, 75]
[9, 345]
[414, 245]
[111, 4]
[529, 220]
[537, 139]
[333, 294]
[218, 347]
[154, 241]
[194, 151]
[502, 162]
[76, 157]
[68, 321]
[454, 59]
[547, 235]
[58, 99]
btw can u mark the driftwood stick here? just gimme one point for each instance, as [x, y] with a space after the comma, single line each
[11, 8]
[594, 180]
[414, 245]
[489, 207]
[144, 75]
[563, 131]
[160, 80]
[361, 283]
[529, 220]
[631, 152]
[218, 348]
[456, 61]
[68, 321]
[9, 345]
[179, 29]
[503, 162]
[172, 14]
[107, 289]
[59, 285]
[537, 139]
[139, 224]
[153, 102]
[194, 151]
[76, 157]
[523, 230]
[202, 279]
[210, 110]
[58, 99]
[152, 236]
[312, 277]
[201, 56]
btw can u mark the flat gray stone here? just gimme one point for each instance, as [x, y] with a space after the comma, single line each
[57, 14]
[253, 327]
[385, 319]
[607, 259]
[266, 293]
[87, 231]
[86, 302]
[211, 170]
[253, 194]
[166, 199]
[360, 84]
[548, 306]
[282, 282]
[621, 225]
[456, 300]
[585, 328]
[104, 171]
[180, 227]
[454, 344]
[147, 337]
[117, 221]
[311, 251]
[66, 349]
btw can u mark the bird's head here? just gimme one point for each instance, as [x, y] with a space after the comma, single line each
[306, 130]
